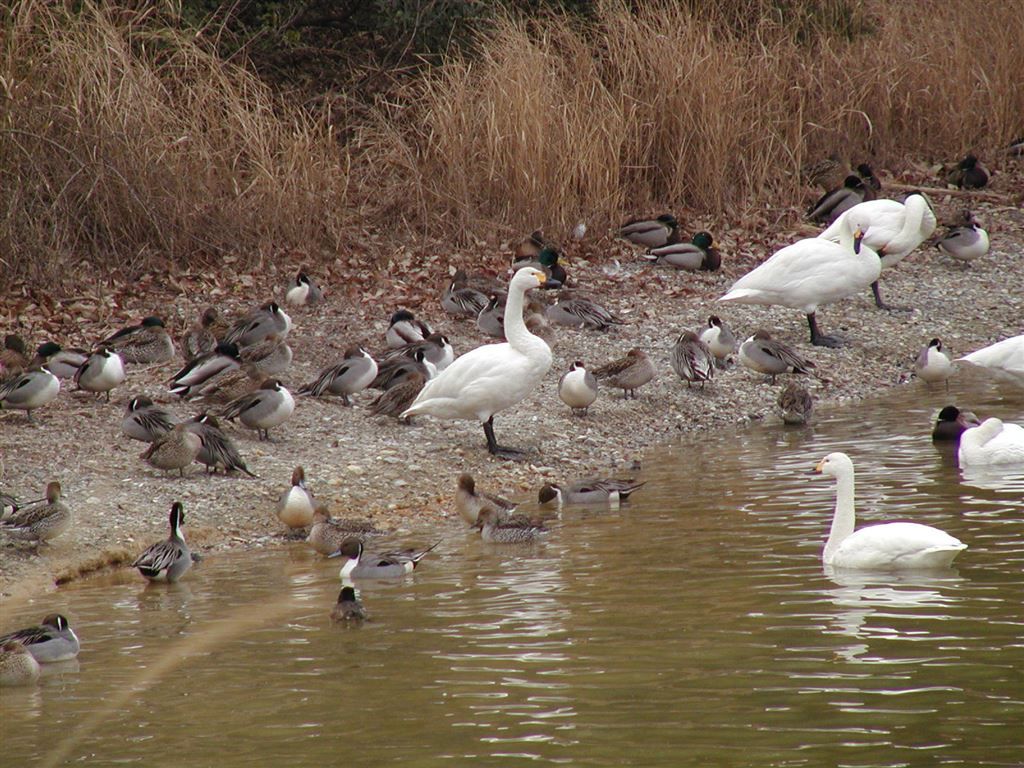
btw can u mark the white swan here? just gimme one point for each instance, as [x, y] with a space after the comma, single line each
[1007, 355]
[810, 272]
[992, 442]
[488, 379]
[880, 547]
[891, 229]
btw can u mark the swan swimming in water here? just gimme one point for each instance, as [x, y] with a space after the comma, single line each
[992, 442]
[886, 546]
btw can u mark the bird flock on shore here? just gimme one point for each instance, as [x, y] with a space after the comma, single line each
[232, 370]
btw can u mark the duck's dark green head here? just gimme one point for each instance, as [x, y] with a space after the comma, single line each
[548, 257]
[702, 240]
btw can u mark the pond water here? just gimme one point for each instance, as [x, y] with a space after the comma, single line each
[693, 627]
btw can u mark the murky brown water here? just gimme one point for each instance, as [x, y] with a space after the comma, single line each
[695, 627]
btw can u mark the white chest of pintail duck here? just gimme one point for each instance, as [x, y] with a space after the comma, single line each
[578, 388]
[51, 641]
[101, 372]
[304, 291]
[719, 338]
[167, 560]
[933, 364]
[886, 546]
[30, 390]
[295, 506]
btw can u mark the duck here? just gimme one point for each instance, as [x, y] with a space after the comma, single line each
[867, 175]
[230, 384]
[496, 528]
[577, 388]
[628, 373]
[366, 565]
[51, 641]
[14, 357]
[460, 300]
[404, 328]
[295, 507]
[933, 365]
[469, 501]
[651, 233]
[437, 352]
[396, 370]
[965, 242]
[836, 202]
[269, 406]
[993, 442]
[546, 261]
[258, 324]
[200, 371]
[41, 522]
[1006, 355]
[795, 404]
[886, 546]
[348, 608]
[951, 423]
[62, 363]
[30, 390]
[147, 342]
[698, 254]
[268, 357]
[610, 491]
[352, 375]
[101, 372]
[327, 534]
[17, 665]
[825, 173]
[202, 337]
[398, 398]
[969, 173]
[167, 560]
[692, 359]
[1016, 147]
[581, 312]
[491, 319]
[304, 291]
[528, 248]
[145, 421]
[763, 354]
[493, 377]
[719, 339]
[175, 449]
[217, 451]
[811, 272]
[891, 230]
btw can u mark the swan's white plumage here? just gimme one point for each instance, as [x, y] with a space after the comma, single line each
[886, 546]
[1007, 355]
[490, 378]
[892, 229]
[992, 442]
[809, 272]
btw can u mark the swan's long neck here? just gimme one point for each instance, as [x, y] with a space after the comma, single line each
[844, 519]
[913, 214]
[516, 332]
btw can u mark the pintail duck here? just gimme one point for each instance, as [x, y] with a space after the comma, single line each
[469, 502]
[147, 342]
[14, 357]
[969, 173]
[269, 406]
[698, 254]
[965, 242]
[175, 449]
[396, 370]
[62, 363]
[101, 372]
[29, 390]
[17, 665]
[327, 533]
[719, 339]
[295, 507]
[404, 329]
[218, 451]
[228, 385]
[933, 365]
[202, 337]
[496, 528]
[258, 325]
[578, 388]
[200, 371]
[836, 202]
[52, 640]
[795, 404]
[764, 354]
[491, 319]
[167, 560]
[692, 359]
[398, 397]
[348, 608]
[628, 373]
[42, 521]
[461, 300]
[353, 374]
[651, 233]
[578, 311]
[951, 423]
[304, 291]
[145, 421]
[268, 357]
[437, 351]
[607, 491]
[366, 565]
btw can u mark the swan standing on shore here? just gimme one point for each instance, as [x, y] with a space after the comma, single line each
[886, 546]
[493, 377]
[811, 272]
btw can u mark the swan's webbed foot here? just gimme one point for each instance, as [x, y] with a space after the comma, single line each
[502, 452]
[819, 339]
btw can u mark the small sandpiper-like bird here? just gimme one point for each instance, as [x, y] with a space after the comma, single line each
[578, 388]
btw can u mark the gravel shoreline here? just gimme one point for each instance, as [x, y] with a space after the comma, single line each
[403, 477]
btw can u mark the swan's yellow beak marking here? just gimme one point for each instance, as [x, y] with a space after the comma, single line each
[541, 278]
[819, 466]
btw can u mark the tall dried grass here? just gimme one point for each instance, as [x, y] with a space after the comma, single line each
[125, 142]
